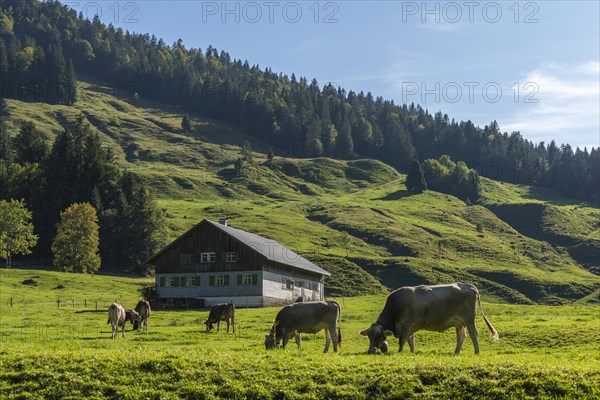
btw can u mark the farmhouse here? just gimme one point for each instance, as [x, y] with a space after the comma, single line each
[216, 263]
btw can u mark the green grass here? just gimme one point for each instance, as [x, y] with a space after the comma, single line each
[354, 217]
[47, 352]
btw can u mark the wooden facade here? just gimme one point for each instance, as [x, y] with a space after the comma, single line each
[215, 263]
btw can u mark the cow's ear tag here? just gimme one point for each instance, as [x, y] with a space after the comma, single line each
[363, 333]
[388, 333]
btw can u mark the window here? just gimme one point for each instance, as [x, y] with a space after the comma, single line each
[162, 281]
[173, 281]
[207, 257]
[218, 280]
[247, 279]
[185, 259]
[192, 281]
[231, 256]
[287, 283]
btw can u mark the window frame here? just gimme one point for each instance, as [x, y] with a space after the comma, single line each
[287, 283]
[208, 257]
[247, 279]
[231, 257]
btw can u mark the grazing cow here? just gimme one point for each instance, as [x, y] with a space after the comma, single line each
[432, 308]
[118, 316]
[221, 312]
[142, 308]
[310, 317]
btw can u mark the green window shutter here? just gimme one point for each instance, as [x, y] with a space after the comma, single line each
[226, 280]
[255, 279]
[239, 279]
[237, 257]
[185, 259]
[211, 280]
[162, 281]
[197, 281]
[176, 281]
[224, 257]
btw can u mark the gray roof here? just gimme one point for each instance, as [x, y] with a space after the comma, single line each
[270, 249]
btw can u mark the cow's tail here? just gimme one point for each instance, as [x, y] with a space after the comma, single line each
[339, 321]
[493, 331]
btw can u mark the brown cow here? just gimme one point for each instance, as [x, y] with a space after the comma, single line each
[432, 308]
[142, 308]
[221, 312]
[118, 317]
[310, 317]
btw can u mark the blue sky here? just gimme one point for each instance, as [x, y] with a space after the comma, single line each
[533, 65]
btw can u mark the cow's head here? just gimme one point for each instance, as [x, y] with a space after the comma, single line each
[271, 340]
[377, 336]
[133, 316]
[209, 326]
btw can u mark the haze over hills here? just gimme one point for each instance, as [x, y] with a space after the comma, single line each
[353, 217]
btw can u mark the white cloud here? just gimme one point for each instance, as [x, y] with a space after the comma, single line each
[569, 105]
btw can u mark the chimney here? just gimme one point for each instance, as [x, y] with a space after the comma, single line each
[223, 221]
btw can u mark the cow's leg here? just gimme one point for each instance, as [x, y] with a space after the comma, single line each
[227, 321]
[411, 342]
[233, 324]
[474, 336]
[115, 330]
[123, 329]
[460, 338]
[299, 341]
[327, 340]
[218, 325]
[404, 334]
[285, 339]
[334, 338]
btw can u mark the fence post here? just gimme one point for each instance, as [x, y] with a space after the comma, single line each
[84, 303]
[73, 301]
[96, 305]
[57, 303]
[11, 301]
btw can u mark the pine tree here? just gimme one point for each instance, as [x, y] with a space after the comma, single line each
[270, 155]
[3, 57]
[415, 180]
[55, 85]
[246, 152]
[70, 84]
[186, 123]
[75, 246]
[6, 150]
[29, 144]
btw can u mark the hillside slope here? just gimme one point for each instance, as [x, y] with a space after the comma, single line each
[355, 218]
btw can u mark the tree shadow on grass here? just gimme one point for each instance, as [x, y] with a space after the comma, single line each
[398, 194]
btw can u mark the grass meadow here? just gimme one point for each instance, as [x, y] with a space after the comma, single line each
[51, 351]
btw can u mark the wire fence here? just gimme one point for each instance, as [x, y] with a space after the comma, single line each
[29, 331]
[61, 303]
